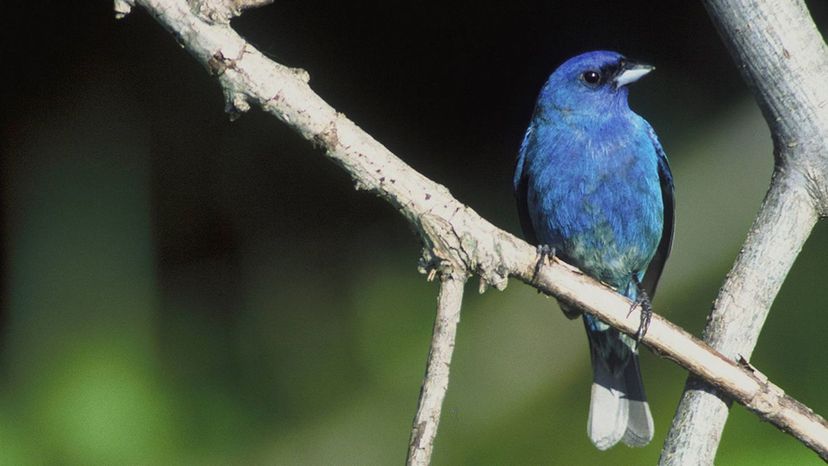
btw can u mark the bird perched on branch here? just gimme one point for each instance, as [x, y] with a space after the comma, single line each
[594, 188]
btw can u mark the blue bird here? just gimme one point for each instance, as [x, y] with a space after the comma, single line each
[593, 186]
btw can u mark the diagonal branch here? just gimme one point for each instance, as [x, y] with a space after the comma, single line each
[455, 237]
[785, 62]
[436, 380]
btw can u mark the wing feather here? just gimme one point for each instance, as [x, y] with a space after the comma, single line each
[521, 187]
[665, 176]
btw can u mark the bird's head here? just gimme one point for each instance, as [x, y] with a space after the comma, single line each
[593, 82]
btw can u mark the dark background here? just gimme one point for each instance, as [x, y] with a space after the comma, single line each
[180, 289]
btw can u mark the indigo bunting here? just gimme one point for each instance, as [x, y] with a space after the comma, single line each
[593, 186]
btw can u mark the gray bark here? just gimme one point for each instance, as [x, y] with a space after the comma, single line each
[784, 60]
[436, 380]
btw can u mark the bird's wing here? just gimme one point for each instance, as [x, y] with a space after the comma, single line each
[666, 180]
[521, 186]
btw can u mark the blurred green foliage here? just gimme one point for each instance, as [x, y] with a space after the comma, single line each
[180, 290]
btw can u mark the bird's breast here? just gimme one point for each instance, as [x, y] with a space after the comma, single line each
[597, 200]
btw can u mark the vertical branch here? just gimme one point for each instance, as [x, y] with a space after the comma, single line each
[780, 230]
[435, 382]
[784, 61]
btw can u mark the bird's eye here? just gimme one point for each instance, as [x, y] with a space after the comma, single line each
[591, 77]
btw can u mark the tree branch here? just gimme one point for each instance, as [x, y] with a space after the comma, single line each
[435, 383]
[455, 237]
[785, 63]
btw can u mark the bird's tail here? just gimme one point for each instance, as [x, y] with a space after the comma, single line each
[618, 410]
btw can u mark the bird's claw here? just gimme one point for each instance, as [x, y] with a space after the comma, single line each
[646, 317]
[545, 254]
[643, 300]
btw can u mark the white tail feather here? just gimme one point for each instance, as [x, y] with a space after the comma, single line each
[618, 410]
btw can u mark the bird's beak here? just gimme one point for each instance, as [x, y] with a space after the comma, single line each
[631, 72]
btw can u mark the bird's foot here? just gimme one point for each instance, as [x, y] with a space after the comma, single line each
[545, 254]
[646, 316]
[643, 300]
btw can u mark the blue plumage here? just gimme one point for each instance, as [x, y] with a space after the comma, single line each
[593, 183]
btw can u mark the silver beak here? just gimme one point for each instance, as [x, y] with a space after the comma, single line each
[631, 73]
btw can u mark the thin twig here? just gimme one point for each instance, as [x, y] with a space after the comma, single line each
[436, 380]
[452, 232]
